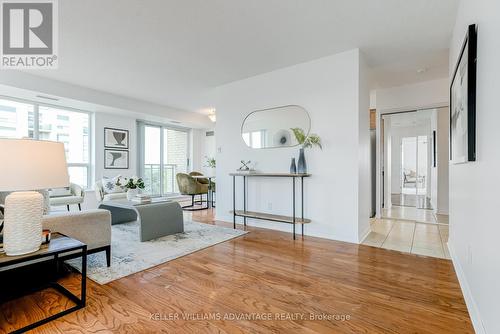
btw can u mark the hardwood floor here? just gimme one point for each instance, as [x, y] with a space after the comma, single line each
[265, 273]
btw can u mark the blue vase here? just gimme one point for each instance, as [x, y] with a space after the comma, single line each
[293, 167]
[302, 166]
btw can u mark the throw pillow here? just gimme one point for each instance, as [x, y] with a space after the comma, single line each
[113, 185]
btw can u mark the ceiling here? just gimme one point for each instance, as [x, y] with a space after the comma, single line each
[169, 52]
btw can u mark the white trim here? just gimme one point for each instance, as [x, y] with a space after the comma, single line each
[366, 233]
[474, 314]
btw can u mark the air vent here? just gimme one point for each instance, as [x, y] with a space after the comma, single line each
[175, 122]
[210, 133]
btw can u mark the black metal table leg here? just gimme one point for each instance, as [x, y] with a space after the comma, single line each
[234, 202]
[83, 296]
[302, 201]
[244, 199]
[293, 205]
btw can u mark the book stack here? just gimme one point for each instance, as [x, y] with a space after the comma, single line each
[142, 199]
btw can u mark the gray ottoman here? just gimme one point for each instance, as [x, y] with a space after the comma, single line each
[156, 219]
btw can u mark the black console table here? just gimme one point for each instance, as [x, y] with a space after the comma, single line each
[294, 220]
[59, 246]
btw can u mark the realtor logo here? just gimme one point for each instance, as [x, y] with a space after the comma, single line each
[29, 34]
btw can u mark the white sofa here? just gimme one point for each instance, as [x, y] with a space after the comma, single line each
[92, 227]
[101, 195]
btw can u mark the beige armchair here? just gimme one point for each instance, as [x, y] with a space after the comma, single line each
[76, 196]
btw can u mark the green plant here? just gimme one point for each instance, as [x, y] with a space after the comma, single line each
[134, 183]
[307, 141]
[210, 162]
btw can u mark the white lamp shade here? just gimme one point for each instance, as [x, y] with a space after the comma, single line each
[27, 164]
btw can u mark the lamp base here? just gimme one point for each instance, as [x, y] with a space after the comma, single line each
[23, 223]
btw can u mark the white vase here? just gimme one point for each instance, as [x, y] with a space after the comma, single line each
[131, 193]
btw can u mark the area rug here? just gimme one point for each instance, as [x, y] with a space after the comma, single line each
[129, 255]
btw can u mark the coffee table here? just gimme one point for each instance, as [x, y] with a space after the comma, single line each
[157, 219]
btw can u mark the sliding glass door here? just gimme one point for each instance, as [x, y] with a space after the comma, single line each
[164, 152]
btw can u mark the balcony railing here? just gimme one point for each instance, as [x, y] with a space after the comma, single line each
[152, 179]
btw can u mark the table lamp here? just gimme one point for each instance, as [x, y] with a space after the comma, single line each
[28, 165]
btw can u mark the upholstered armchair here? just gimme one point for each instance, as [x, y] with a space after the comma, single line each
[204, 181]
[211, 186]
[190, 186]
[75, 196]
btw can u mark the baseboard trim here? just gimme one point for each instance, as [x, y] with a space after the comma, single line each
[365, 234]
[474, 314]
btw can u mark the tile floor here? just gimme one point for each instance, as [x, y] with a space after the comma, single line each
[410, 237]
[410, 213]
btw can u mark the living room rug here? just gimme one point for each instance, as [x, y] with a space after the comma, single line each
[129, 255]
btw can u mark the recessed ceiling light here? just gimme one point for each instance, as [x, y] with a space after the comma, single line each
[422, 70]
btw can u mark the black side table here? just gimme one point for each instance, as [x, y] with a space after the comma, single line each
[59, 245]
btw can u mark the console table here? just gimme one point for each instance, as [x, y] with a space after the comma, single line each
[293, 219]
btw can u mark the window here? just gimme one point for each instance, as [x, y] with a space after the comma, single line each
[164, 152]
[71, 127]
[254, 139]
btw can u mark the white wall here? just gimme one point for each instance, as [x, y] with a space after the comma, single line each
[474, 218]
[329, 89]
[103, 120]
[422, 95]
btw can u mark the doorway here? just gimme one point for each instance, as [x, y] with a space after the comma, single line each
[410, 154]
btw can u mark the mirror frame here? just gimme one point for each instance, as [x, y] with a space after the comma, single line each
[273, 108]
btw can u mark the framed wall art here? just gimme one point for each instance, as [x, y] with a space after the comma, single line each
[463, 102]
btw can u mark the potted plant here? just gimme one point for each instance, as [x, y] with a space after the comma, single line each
[304, 141]
[133, 185]
[210, 163]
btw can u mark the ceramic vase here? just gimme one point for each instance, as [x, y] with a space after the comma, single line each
[131, 193]
[302, 166]
[293, 167]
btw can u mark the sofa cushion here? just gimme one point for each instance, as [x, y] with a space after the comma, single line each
[112, 185]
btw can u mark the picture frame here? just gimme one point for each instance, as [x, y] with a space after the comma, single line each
[463, 102]
[116, 138]
[116, 159]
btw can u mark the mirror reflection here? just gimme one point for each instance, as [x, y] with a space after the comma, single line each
[271, 128]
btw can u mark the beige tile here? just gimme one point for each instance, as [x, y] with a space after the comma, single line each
[427, 243]
[374, 239]
[442, 219]
[426, 228]
[382, 226]
[398, 246]
[434, 252]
